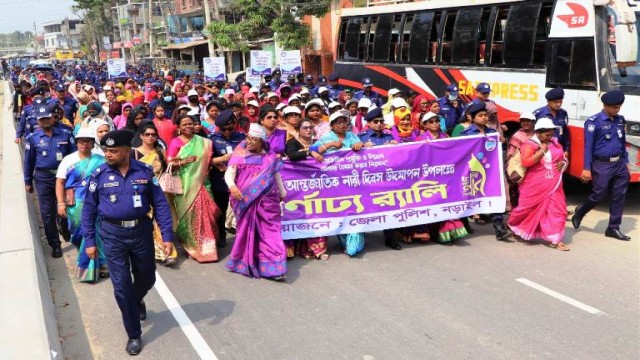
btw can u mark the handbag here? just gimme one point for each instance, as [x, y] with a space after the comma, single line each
[515, 169]
[170, 182]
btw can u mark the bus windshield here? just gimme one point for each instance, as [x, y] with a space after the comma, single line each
[628, 76]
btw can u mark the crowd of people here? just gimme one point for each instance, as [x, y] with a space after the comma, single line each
[101, 151]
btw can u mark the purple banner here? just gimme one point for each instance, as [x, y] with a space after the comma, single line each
[393, 186]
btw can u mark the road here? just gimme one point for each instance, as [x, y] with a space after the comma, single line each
[471, 300]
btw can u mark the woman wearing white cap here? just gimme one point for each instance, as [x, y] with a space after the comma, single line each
[542, 207]
[520, 137]
[253, 177]
[314, 111]
[71, 185]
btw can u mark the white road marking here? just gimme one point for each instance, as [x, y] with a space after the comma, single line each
[190, 331]
[561, 297]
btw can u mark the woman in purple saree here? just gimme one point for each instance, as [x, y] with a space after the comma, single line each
[256, 191]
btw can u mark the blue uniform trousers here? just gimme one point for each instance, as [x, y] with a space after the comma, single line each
[130, 251]
[45, 184]
[608, 177]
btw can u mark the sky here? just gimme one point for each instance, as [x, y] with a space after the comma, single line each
[20, 14]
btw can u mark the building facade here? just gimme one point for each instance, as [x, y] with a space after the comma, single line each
[64, 34]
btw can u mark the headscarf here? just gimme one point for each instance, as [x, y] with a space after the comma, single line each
[131, 124]
[402, 132]
[416, 113]
[83, 97]
[120, 121]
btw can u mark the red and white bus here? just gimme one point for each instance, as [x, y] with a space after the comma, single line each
[521, 47]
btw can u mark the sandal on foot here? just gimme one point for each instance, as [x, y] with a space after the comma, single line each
[560, 246]
[323, 257]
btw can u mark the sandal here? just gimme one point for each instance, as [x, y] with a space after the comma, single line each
[478, 220]
[323, 256]
[560, 246]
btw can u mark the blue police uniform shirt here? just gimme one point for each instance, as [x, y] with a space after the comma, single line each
[383, 138]
[561, 120]
[604, 137]
[450, 114]
[474, 130]
[313, 91]
[275, 84]
[222, 146]
[111, 195]
[28, 122]
[373, 96]
[70, 107]
[334, 91]
[45, 153]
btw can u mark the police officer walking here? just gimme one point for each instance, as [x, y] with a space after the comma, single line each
[44, 150]
[558, 115]
[121, 193]
[606, 162]
[451, 107]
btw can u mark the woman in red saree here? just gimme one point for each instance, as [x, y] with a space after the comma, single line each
[542, 207]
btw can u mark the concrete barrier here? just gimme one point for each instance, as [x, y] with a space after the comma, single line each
[28, 328]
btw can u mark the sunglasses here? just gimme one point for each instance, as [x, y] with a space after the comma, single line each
[150, 134]
[431, 121]
[377, 121]
[341, 122]
[226, 129]
[270, 117]
[306, 128]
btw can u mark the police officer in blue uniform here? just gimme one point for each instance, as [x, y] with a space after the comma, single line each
[606, 162]
[334, 86]
[224, 141]
[44, 150]
[558, 115]
[28, 119]
[483, 92]
[377, 134]
[480, 116]
[451, 107]
[68, 103]
[367, 92]
[121, 193]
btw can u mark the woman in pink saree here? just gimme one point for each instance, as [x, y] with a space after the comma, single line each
[256, 190]
[542, 208]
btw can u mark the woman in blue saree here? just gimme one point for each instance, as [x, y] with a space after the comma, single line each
[71, 185]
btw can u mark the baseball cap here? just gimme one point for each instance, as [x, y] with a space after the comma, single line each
[483, 88]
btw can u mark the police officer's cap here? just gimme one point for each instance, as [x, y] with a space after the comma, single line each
[476, 108]
[483, 88]
[309, 77]
[225, 118]
[322, 79]
[366, 82]
[117, 138]
[60, 88]
[373, 114]
[452, 89]
[44, 110]
[613, 97]
[36, 91]
[276, 72]
[291, 77]
[555, 94]
[333, 77]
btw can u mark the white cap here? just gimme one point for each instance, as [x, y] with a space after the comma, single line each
[193, 112]
[102, 97]
[294, 97]
[393, 91]
[272, 94]
[428, 116]
[256, 130]
[322, 89]
[399, 102]
[280, 106]
[254, 89]
[544, 124]
[334, 104]
[291, 110]
[304, 91]
[186, 107]
[337, 115]
[192, 92]
[528, 115]
[316, 101]
[86, 133]
[253, 103]
[364, 103]
[107, 88]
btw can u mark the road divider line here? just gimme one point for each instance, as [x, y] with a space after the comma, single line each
[189, 330]
[564, 298]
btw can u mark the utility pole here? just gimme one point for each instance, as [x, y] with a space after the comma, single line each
[124, 53]
[207, 21]
[150, 28]
[35, 31]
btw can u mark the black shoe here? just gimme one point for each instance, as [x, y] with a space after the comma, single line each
[143, 311]
[502, 234]
[56, 252]
[231, 231]
[576, 220]
[63, 229]
[392, 243]
[169, 262]
[134, 346]
[616, 234]
[221, 243]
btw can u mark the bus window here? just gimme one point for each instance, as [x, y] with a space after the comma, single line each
[433, 37]
[371, 37]
[544, 26]
[447, 36]
[465, 36]
[342, 38]
[482, 34]
[352, 40]
[420, 43]
[406, 36]
[571, 63]
[497, 43]
[383, 38]
[520, 35]
[394, 48]
[362, 43]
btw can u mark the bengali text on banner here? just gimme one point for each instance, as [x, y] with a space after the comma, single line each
[393, 186]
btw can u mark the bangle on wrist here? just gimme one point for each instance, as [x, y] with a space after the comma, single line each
[62, 204]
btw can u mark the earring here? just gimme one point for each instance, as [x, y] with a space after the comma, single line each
[178, 132]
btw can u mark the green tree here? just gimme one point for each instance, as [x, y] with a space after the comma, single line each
[259, 19]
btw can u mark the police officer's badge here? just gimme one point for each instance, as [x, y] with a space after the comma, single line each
[591, 127]
[109, 142]
[93, 186]
[113, 198]
[42, 109]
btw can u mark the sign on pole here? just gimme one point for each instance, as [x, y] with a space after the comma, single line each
[116, 68]
[290, 62]
[254, 80]
[261, 62]
[214, 69]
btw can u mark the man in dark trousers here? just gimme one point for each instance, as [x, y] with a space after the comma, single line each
[606, 162]
[121, 193]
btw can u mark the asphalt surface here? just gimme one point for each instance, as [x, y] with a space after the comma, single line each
[427, 301]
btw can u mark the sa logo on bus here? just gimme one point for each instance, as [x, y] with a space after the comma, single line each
[579, 17]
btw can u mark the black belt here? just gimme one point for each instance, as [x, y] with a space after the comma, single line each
[125, 223]
[608, 159]
[48, 171]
